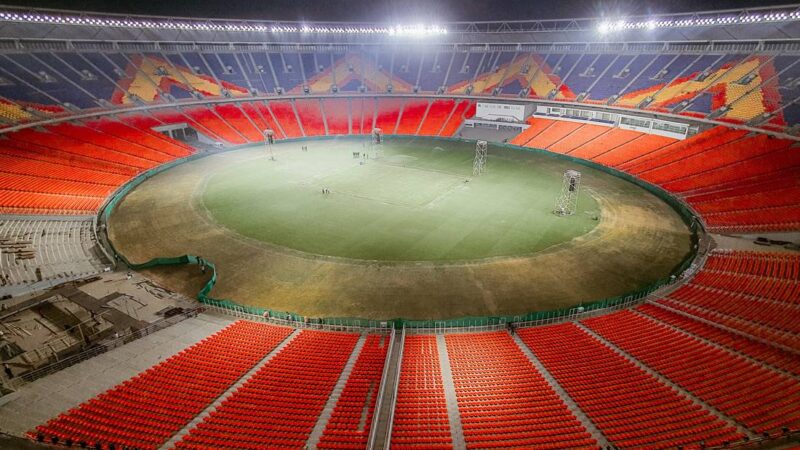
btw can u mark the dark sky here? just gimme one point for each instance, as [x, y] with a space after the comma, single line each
[394, 11]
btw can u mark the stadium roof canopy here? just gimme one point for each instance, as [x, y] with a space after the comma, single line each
[765, 24]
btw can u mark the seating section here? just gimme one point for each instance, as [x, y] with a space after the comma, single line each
[351, 421]
[280, 404]
[311, 116]
[420, 415]
[630, 407]
[765, 353]
[37, 249]
[438, 114]
[695, 85]
[753, 292]
[503, 401]
[145, 411]
[70, 168]
[763, 400]
[411, 116]
[337, 115]
[283, 113]
[737, 182]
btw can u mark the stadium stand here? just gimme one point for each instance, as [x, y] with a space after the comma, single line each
[710, 362]
[351, 421]
[32, 250]
[630, 407]
[764, 400]
[279, 405]
[146, 410]
[503, 401]
[420, 418]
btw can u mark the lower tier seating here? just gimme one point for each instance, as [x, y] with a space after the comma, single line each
[420, 416]
[146, 410]
[503, 401]
[763, 400]
[630, 407]
[351, 421]
[280, 404]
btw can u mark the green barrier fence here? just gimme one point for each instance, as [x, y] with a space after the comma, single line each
[204, 296]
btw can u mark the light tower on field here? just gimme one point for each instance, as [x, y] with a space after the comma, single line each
[376, 143]
[269, 139]
[567, 202]
[479, 163]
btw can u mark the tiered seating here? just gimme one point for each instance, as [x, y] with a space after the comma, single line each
[237, 119]
[146, 410]
[71, 169]
[438, 113]
[761, 399]
[142, 136]
[337, 114]
[644, 143]
[630, 407]
[176, 116]
[464, 109]
[53, 141]
[283, 113]
[110, 142]
[57, 248]
[554, 133]
[412, 115]
[211, 121]
[614, 138]
[351, 421]
[363, 114]
[263, 117]
[761, 300]
[386, 114]
[420, 416]
[762, 352]
[311, 116]
[503, 401]
[537, 125]
[586, 133]
[280, 404]
[774, 265]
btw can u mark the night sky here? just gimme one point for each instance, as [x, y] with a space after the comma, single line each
[395, 11]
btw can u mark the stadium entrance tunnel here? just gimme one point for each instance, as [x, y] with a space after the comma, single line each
[336, 228]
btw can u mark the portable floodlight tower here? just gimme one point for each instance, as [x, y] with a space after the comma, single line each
[567, 202]
[479, 163]
[269, 139]
[376, 143]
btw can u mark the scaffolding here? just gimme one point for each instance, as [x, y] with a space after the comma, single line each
[567, 202]
[479, 163]
[269, 139]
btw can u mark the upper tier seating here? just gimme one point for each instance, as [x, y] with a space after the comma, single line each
[630, 407]
[146, 410]
[280, 404]
[705, 82]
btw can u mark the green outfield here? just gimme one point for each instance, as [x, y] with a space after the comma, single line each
[417, 202]
[412, 234]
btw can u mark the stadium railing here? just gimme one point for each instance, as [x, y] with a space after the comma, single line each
[486, 323]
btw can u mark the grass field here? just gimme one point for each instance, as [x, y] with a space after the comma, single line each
[404, 236]
[418, 202]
